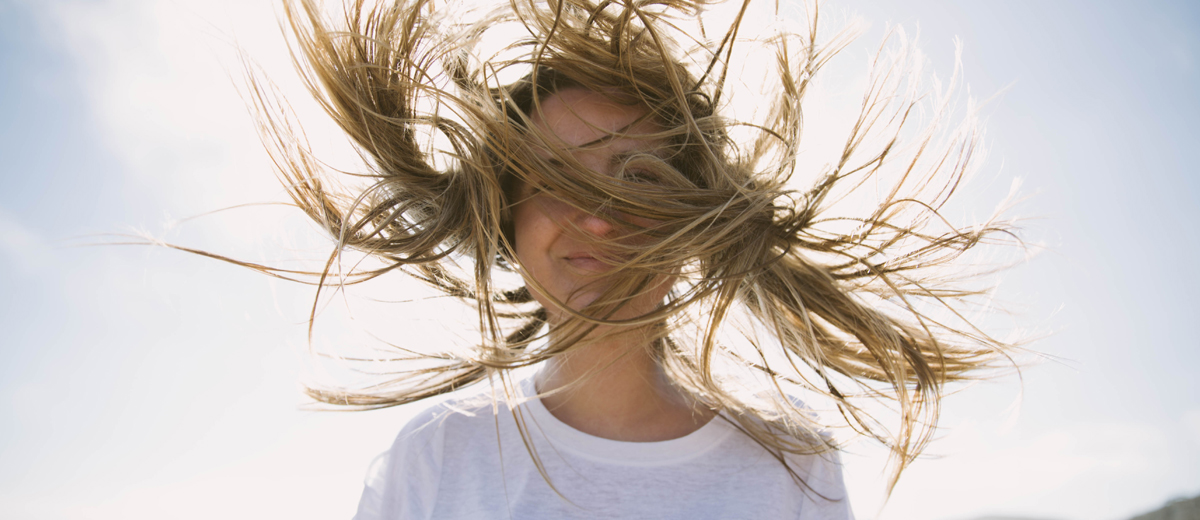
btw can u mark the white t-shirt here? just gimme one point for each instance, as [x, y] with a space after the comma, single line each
[459, 459]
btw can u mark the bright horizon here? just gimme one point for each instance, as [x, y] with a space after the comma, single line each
[139, 382]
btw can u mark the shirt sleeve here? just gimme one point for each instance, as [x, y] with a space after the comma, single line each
[403, 481]
[827, 489]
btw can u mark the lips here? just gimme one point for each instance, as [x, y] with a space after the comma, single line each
[587, 262]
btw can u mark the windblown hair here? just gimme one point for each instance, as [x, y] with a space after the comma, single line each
[858, 309]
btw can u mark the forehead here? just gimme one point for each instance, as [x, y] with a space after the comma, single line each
[579, 117]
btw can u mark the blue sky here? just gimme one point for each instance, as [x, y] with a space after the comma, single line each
[141, 383]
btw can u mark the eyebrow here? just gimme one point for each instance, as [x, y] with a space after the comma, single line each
[660, 152]
[618, 159]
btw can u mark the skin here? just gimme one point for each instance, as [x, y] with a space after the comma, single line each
[610, 386]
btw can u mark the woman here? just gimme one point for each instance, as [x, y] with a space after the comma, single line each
[616, 438]
[674, 290]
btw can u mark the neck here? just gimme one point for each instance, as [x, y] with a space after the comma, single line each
[612, 388]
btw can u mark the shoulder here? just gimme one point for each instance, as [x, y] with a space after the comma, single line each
[808, 458]
[403, 482]
[821, 471]
[459, 421]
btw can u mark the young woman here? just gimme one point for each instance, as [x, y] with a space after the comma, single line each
[613, 436]
[675, 292]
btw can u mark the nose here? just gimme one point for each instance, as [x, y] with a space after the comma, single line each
[593, 224]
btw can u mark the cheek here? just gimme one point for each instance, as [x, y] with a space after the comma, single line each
[657, 293]
[520, 216]
[532, 233]
[522, 238]
[536, 222]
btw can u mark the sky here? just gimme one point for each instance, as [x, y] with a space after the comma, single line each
[137, 382]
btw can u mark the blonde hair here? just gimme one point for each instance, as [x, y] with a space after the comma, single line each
[859, 307]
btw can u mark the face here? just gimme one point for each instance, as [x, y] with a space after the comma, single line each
[556, 243]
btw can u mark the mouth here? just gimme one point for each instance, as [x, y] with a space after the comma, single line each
[588, 262]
